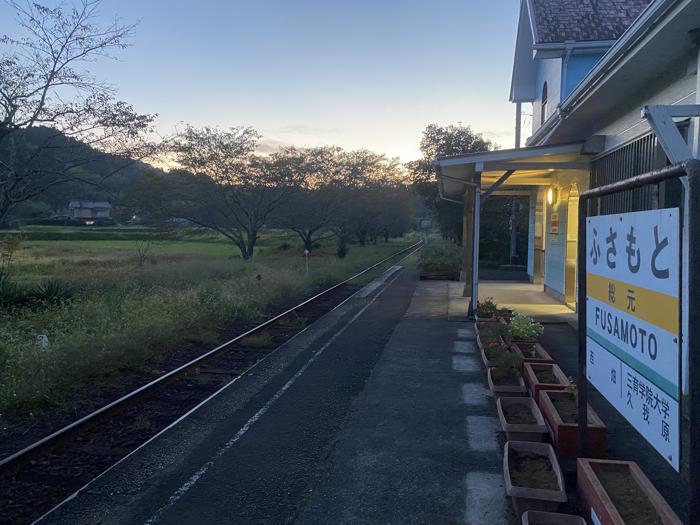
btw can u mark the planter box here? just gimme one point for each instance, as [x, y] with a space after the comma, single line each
[544, 357]
[618, 493]
[534, 385]
[532, 498]
[507, 390]
[439, 276]
[565, 435]
[534, 517]
[536, 431]
[487, 363]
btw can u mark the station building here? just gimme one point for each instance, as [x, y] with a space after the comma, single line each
[614, 92]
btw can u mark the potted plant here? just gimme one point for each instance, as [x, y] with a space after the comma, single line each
[535, 517]
[560, 410]
[543, 376]
[504, 378]
[523, 333]
[618, 493]
[487, 310]
[489, 339]
[440, 261]
[533, 477]
[521, 419]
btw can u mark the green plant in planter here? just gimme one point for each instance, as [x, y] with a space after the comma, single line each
[491, 332]
[486, 308]
[507, 365]
[524, 328]
[440, 258]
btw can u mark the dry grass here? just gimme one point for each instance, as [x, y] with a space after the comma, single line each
[123, 314]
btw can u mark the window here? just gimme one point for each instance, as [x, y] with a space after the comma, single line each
[543, 114]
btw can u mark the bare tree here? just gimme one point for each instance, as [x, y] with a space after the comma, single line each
[44, 83]
[233, 191]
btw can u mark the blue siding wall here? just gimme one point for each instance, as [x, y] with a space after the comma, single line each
[577, 68]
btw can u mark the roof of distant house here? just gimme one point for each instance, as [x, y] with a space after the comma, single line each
[89, 204]
[558, 21]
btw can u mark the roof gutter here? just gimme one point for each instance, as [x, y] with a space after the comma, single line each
[641, 27]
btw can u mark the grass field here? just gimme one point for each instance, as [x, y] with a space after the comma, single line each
[189, 286]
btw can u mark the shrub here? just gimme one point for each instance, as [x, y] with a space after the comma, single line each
[53, 291]
[524, 328]
[440, 258]
[11, 295]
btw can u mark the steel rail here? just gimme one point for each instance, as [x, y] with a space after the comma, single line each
[45, 442]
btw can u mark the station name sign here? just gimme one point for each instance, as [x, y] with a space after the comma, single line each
[633, 321]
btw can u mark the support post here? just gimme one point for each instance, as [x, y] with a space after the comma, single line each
[475, 249]
[518, 123]
[693, 332]
[467, 239]
[582, 379]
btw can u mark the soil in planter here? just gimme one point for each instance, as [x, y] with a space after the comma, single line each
[505, 376]
[543, 521]
[546, 375]
[519, 414]
[566, 406]
[629, 499]
[532, 471]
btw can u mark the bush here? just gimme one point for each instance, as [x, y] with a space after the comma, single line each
[11, 295]
[53, 291]
[524, 328]
[440, 258]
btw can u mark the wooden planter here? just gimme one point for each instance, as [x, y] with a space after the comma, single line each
[536, 431]
[534, 385]
[533, 498]
[534, 517]
[507, 390]
[439, 276]
[565, 434]
[544, 357]
[605, 485]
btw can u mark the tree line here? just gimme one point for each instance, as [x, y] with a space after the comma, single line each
[223, 184]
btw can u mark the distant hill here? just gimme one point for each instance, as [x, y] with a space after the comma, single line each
[55, 200]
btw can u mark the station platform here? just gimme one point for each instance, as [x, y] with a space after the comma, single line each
[377, 413]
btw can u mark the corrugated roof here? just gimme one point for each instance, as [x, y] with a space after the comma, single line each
[557, 21]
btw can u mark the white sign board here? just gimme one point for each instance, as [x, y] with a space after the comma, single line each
[633, 320]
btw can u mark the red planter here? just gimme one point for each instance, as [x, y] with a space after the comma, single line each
[602, 505]
[565, 435]
[534, 385]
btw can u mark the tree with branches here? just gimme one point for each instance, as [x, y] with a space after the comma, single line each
[56, 120]
[232, 190]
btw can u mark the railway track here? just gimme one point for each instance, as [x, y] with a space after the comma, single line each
[38, 477]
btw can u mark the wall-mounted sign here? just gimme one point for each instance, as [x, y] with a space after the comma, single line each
[554, 223]
[633, 320]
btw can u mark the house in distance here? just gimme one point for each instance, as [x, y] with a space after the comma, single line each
[89, 212]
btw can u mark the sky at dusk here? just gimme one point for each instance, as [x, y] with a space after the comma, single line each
[360, 74]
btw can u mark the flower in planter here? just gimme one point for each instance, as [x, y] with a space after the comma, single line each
[524, 328]
[486, 308]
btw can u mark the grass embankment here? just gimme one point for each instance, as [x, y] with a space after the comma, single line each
[189, 287]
